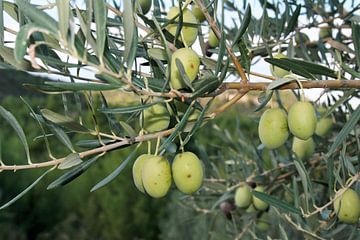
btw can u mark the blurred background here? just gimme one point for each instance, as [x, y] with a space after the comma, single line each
[116, 211]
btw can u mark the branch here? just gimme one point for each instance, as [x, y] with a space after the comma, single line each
[217, 32]
[91, 152]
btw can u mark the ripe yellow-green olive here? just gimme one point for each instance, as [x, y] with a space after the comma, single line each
[325, 33]
[187, 172]
[273, 128]
[156, 176]
[243, 196]
[263, 222]
[324, 124]
[301, 38]
[136, 171]
[259, 204]
[189, 32]
[156, 118]
[191, 62]
[347, 207]
[213, 40]
[302, 120]
[145, 6]
[277, 71]
[198, 13]
[303, 149]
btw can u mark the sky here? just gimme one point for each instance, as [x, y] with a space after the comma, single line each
[261, 66]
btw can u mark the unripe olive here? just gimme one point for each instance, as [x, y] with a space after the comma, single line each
[156, 176]
[273, 128]
[251, 209]
[324, 124]
[189, 33]
[301, 38]
[277, 71]
[303, 149]
[136, 171]
[145, 6]
[288, 196]
[191, 62]
[259, 204]
[213, 40]
[263, 222]
[243, 196]
[187, 172]
[302, 120]
[198, 13]
[347, 207]
[156, 118]
[325, 33]
[181, 109]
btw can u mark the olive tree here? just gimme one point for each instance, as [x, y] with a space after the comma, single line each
[177, 60]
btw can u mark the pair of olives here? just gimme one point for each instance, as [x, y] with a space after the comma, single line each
[245, 199]
[347, 207]
[153, 174]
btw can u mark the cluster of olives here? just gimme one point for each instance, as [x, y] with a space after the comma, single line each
[153, 175]
[301, 121]
[347, 207]
[244, 199]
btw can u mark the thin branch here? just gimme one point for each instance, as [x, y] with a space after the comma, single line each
[217, 32]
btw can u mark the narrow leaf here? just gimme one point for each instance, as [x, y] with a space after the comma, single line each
[115, 173]
[130, 109]
[70, 161]
[293, 21]
[40, 18]
[26, 190]
[73, 173]
[244, 25]
[19, 131]
[100, 12]
[276, 202]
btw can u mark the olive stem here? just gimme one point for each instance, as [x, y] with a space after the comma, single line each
[157, 145]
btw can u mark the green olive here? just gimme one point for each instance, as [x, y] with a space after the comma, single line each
[187, 172]
[347, 207]
[189, 32]
[243, 196]
[181, 109]
[273, 128]
[303, 149]
[301, 38]
[277, 71]
[325, 33]
[191, 62]
[213, 40]
[145, 6]
[324, 124]
[259, 204]
[156, 118]
[136, 171]
[198, 13]
[263, 222]
[302, 120]
[250, 209]
[156, 176]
